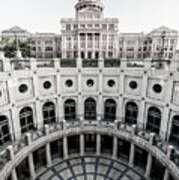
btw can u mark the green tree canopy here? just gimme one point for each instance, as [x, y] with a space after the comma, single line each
[10, 49]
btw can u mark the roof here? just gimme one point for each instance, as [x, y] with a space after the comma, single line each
[15, 29]
[163, 29]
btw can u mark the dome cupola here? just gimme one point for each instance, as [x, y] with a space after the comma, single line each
[89, 9]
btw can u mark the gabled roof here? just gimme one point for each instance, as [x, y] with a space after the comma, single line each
[162, 29]
[15, 29]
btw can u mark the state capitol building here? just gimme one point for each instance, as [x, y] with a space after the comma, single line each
[91, 104]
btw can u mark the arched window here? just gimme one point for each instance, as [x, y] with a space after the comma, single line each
[49, 114]
[174, 136]
[154, 119]
[110, 110]
[4, 130]
[131, 113]
[90, 109]
[26, 119]
[70, 110]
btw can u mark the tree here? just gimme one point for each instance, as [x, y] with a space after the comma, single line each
[10, 49]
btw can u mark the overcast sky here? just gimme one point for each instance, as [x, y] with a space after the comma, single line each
[45, 15]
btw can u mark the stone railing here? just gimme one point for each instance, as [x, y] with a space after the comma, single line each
[12, 155]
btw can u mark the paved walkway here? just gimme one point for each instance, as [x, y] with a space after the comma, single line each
[90, 168]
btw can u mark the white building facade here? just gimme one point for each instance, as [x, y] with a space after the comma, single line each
[89, 35]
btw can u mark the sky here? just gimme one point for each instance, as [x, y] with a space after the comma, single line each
[45, 15]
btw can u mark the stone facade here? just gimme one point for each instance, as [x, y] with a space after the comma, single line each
[46, 45]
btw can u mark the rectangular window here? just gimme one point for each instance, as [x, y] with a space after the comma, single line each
[89, 25]
[75, 26]
[82, 25]
[104, 37]
[96, 25]
[104, 26]
[111, 27]
[68, 27]
[49, 48]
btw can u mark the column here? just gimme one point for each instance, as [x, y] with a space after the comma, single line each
[132, 150]
[60, 108]
[79, 104]
[14, 125]
[31, 166]
[82, 144]
[10, 151]
[72, 47]
[38, 108]
[100, 109]
[14, 175]
[65, 147]
[47, 148]
[48, 155]
[107, 46]
[63, 46]
[166, 113]
[100, 46]
[169, 155]
[141, 118]
[166, 175]
[121, 99]
[149, 159]
[94, 47]
[30, 157]
[86, 46]
[149, 166]
[115, 148]
[98, 144]
[132, 154]
[79, 44]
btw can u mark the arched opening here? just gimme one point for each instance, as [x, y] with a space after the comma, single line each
[154, 119]
[131, 113]
[70, 110]
[90, 109]
[4, 130]
[110, 110]
[49, 113]
[174, 136]
[26, 119]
